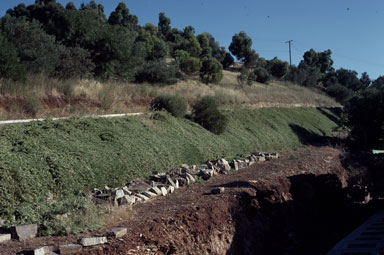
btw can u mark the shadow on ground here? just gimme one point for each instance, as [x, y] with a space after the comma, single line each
[308, 137]
[312, 222]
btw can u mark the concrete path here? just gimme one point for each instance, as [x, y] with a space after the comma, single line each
[10, 122]
[365, 240]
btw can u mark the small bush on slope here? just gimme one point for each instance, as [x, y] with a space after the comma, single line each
[172, 104]
[206, 114]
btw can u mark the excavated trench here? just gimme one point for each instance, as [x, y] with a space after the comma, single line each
[303, 214]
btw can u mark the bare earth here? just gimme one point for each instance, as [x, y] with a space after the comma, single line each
[193, 221]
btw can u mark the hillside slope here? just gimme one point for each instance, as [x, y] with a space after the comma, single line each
[47, 97]
[44, 166]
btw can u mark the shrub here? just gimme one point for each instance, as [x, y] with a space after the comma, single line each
[206, 114]
[157, 72]
[172, 104]
[190, 65]
[211, 71]
[10, 68]
[341, 93]
[261, 75]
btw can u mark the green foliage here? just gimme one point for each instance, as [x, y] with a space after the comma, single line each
[348, 78]
[365, 118]
[119, 56]
[37, 50]
[296, 75]
[164, 26]
[277, 68]
[228, 60]
[339, 92]
[211, 70]
[313, 69]
[204, 44]
[241, 46]
[172, 104]
[181, 55]
[156, 48]
[192, 46]
[190, 65]
[75, 62]
[261, 75]
[10, 67]
[320, 60]
[121, 16]
[157, 72]
[244, 76]
[378, 83]
[206, 114]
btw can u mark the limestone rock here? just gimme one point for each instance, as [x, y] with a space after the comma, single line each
[171, 189]
[261, 159]
[149, 194]
[206, 173]
[5, 238]
[70, 248]
[144, 198]
[119, 232]
[223, 166]
[239, 164]
[126, 200]
[91, 241]
[180, 182]
[119, 193]
[127, 191]
[24, 232]
[156, 190]
[164, 191]
[138, 186]
[191, 178]
[170, 181]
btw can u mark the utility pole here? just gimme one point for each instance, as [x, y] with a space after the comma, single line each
[290, 52]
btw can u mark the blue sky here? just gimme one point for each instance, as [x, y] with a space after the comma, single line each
[352, 29]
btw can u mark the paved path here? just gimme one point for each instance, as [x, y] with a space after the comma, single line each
[365, 240]
[9, 122]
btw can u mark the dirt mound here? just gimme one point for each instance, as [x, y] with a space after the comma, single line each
[294, 205]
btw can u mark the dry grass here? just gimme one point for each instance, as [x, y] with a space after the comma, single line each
[46, 97]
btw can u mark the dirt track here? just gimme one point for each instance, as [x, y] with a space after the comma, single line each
[268, 208]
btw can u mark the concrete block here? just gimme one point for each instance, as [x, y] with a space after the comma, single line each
[119, 232]
[5, 238]
[38, 251]
[91, 241]
[24, 232]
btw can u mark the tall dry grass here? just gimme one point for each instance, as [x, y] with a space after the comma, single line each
[41, 96]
